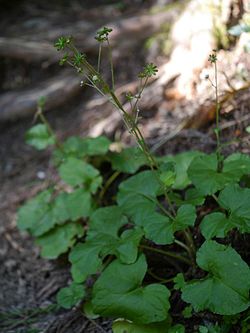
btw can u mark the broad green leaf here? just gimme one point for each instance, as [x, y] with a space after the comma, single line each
[39, 137]
[82, 266]
[138, 194]
[129, 160]
[79, 147]
[177, 329]
[97, 146]
[121, 326]
[59, 240]
[136, 205]
[157, 227]
[102, 239]
[144, 183]
[225, 290]
[182, 162]
[215, 225]
[205, 176]
[237, 165]
[185, 217]
[72, 206]
[126, 298]
[36, 215]
[106, 222]
[194, 197]
[77, 172]
[70, 296]
[160, 229]
[127, 246]
[236, 201]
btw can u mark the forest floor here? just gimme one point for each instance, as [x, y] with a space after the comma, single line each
[28, 283]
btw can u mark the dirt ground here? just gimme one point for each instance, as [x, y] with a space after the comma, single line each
[28, 283]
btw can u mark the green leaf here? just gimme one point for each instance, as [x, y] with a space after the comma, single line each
[187, 312]
[167, 173]
[41, 214]
[126, 298]
[127, 246]
[72, 206]
[97, 146]
[182, 162]
[88, 311]
[237, 165]
[185, 217]
[157, 227]
[122, 326]
[160, 229]
[82, 266]
[194, 197]
[102, 239]
[215, 225]
[225, 290]
[129, 160]
[39, 137]
[105, 224]
[236, 201]
[204, 175]
[135, 206]
[70, 296]
[59, 240]
[179, 281]
[78, 147]
[36, 215]
[77, 172]
[137, 194]
[177, 329]
[144, 183]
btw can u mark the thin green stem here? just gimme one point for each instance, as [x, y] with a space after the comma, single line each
[181, 244]
[49, 128]
[108, 182]
[217, 131]
[99, 58]
[111, 65]
[191, 246]
[156, 277]
[166, 253]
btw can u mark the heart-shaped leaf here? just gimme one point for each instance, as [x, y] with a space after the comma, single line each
[70, 296]
[160, 228]
[203, 171]
[182, 162]
[102, 239]
[39, 137]
[225, 290]
[77, 172]
[59, 240]
[126, 298]
[129, 160]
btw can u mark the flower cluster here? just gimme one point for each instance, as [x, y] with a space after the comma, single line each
[148, 71]
[102, 34]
